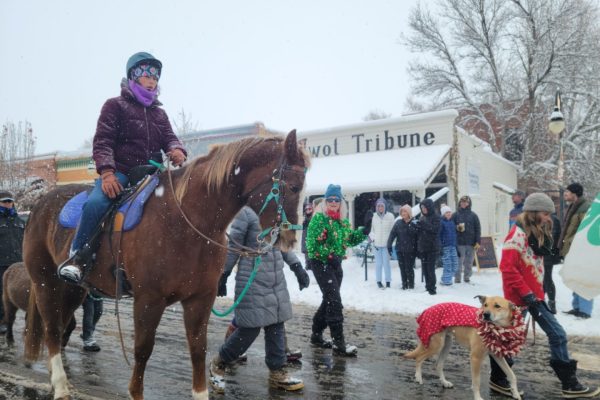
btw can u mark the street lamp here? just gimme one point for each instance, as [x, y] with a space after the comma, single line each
[556, 125]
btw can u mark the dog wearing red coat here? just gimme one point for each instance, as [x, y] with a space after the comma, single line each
[496, 328]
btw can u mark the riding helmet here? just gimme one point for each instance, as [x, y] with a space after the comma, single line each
[142, 58]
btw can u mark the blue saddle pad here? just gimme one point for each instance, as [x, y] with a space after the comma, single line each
[132, 208]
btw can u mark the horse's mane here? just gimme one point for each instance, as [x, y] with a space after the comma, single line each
[219, 164]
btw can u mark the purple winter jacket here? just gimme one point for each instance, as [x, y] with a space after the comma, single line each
[128, 133]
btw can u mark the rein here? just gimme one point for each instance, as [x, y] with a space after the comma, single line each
[281, 223]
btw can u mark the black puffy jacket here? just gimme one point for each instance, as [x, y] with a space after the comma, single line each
[405, 235]
[429, 229]
[472, 232]
[11, 237]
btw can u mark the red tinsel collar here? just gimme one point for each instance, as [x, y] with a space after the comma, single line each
[503, 341]
[333, 214]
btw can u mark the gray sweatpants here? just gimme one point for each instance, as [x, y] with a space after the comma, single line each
[465, 263]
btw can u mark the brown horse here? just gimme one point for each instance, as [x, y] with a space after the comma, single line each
[165, 258]
[15, 296]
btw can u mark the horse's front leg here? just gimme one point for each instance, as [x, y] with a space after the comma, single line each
[146, 314]
[196, 312]
[56, 304]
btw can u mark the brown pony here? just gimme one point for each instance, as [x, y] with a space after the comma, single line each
[15, 296]
[164, 258]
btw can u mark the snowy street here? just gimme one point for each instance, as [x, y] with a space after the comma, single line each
[379, 372]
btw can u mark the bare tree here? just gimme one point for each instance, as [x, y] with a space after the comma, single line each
[184, 124]
[376, 114]
[501, 63]
[17, 145]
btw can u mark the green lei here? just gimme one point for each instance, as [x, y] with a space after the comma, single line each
[327, 236]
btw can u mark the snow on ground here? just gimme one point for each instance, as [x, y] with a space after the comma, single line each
[365, 296]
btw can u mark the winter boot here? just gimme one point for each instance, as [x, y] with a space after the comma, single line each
[279, 379]
[217, 374]
[340, 347]
[318, 340]
[571, 388]
[498, 380]
[379, 285]
[388, 284]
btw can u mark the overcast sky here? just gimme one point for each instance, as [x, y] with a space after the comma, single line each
[289, 64]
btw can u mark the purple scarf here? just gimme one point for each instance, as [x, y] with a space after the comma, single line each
[143, 95]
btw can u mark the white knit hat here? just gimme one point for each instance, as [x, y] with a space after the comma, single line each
[446, 209]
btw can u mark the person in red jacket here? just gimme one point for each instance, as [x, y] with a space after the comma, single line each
[131, 128]
[522, 267]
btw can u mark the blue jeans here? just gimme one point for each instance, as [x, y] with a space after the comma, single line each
[557, 337]
[581, 304]
[241, 339]
[450, 263]
[92, 311]
[382, 260]
[94, 208]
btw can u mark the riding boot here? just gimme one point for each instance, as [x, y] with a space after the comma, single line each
[498, 381]
[340, 347]
[571, 388]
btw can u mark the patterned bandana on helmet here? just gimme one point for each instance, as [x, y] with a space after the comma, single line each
[145, 70]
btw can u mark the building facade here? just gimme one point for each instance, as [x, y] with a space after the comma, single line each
[408, 158]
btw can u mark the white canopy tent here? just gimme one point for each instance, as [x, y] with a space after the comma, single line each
[402, 169]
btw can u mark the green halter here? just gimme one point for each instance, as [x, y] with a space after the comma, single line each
[281, 223]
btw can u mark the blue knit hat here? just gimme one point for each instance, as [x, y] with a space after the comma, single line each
[334, 191]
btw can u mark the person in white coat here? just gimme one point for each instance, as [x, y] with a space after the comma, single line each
[382, 224]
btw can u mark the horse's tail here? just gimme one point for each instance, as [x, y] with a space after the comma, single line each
[34, 331]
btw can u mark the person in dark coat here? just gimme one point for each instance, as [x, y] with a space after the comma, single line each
[405, 234]
[428, 244]
[578, 207]
[468, 238]
[12, 228]
[266, 305]
[549, 262]
[130, 129]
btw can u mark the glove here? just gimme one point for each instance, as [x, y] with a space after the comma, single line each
[110, 184]
[532, 303]
[390, 251]
[177, 157]
[222, 291]
[476, 246]
[301, 275]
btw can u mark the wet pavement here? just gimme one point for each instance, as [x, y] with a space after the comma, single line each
[379, 371]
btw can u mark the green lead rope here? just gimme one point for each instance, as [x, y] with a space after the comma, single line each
[257, 262]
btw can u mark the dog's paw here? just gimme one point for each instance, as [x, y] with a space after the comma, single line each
[447, 384]
[419, 379]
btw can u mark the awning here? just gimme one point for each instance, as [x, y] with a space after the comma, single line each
[401, 169]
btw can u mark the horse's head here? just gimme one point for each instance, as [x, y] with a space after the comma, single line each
[267, 174]
[274, 183]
